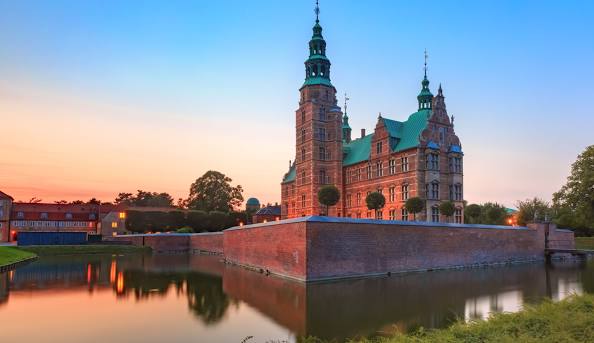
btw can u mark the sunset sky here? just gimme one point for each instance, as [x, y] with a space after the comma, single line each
[102, 97]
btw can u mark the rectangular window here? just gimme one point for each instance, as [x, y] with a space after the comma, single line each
[322, 153]
[20, 215]
[302, 136]
[378, 147]
[404, 214]
[391, 194]
[369, 172]
[404, 192]
[368, 214]
[392, 214]
[458, 192]
[349, 200]
[68, 216]
[404, 162]
[432, 162]
[303, 117]
[392, 167]
[380, 169]
[114, 225]
[458, 216]
[435, 214]
[358, 199]
[322, 114]
[122, 215]
[433, 191]
[323, 179]
[321, 133]
[303, 201]
[379, 215]
[43, 215]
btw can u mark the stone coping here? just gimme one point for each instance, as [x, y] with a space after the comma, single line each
[320, 219]
[563, 230]
[14, 265]
[168, 234]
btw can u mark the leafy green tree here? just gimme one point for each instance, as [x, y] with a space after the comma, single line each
[213, 192]
[533, 209]
[473, 211]
[414, 205]
[176, 220]
[217, 221]
[574, 202]
[375, 201]
[447, 208]
[328, 196]
[197, 220]
[493, 214]
[145, 199]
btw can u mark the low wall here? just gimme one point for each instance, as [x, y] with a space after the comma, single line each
[175, 242]
[560, 239]
[318, 248]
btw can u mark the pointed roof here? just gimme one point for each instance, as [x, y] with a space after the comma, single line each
[5, 196]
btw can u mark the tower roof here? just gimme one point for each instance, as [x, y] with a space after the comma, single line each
[317, 66]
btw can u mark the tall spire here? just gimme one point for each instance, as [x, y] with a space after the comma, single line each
[425, 97]
[317, 66]
[346, 128]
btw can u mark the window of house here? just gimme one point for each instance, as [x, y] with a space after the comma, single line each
[303, 117]
[368, 214]
[379, 215]
[302, 155]
[404, 192]
[392, 166]
[442, 135]
[20, 215]
[458, 192]
[349, 200]
[302, 200]
[456, 164]
[369, 172]
[404, 161]
[391, 194]
[43, 215]
[114, 225]
[458, 216]
[380, 169]
[358, 199]
[358, 174]
[404, 214]
[68, 215]
[323, 178]
[322, 153]
[378, 147]
[432, 190]
[392, 215]
[432, 162]
[435, 214]
[321, 133]
[302, 136]
[322, 114]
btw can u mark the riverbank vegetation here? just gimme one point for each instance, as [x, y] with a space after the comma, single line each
[52, 250]
[570, 320]
[10, 255]
[584, 243]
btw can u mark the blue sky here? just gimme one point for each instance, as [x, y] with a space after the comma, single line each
[164, 80]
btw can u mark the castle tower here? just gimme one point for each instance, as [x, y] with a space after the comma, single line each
[319, 138]
[425, 97]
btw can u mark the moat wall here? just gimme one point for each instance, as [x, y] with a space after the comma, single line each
[321, 248]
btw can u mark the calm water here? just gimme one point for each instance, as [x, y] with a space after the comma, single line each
[178, 298]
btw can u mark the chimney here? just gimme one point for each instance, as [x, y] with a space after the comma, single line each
[362, 133]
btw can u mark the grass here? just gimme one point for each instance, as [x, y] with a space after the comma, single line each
[571, 320]
[584, 243]
[52, 250]
[10, 255]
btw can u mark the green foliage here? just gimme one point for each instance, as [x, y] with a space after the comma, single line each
[447, 208]
[145, 199]
[197, 220]
[569, 320]
[375, 201]
[473, 212]
[574, 203]
[185, 229]
[175, 219]
[217, 221]
[328, 196]
[414, 205]
[584, 243]
[533, 209]
[213, 192]
[490, 213]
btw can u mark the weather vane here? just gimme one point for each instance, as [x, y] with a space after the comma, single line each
[317, 10]
[345, 102]
[426, 57]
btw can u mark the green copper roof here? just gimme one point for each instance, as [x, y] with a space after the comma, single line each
[290, 176]
[317, 81]
[405, 135]
[318, 57]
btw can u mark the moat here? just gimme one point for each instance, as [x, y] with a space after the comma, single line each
[192, 298]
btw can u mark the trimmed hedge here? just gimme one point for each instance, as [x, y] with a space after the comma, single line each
[198, 221]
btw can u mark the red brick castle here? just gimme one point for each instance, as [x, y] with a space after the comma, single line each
[418, 157]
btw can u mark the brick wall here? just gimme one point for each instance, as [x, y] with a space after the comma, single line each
[278, 247]
[560, 239]
[211, 242]
[315, 248]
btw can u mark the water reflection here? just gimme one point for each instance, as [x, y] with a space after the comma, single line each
[333, 310]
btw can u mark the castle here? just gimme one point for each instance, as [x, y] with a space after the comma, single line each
[419, 157]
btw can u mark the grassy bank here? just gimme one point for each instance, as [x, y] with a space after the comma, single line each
[584, 243]
[10, 255]
[51, 250]
[571, 320]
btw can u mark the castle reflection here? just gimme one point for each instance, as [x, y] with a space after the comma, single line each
[332, 310]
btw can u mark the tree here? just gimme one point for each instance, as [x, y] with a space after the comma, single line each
[576, 198]
[213, 192]
[145, 199]
[34, 200]
[328, 196]
[447, 208]
[473, 211]
[61, 202]
[414, 205]
[94, 201]
[532, 209]
[197, 220]
[493, 214]
[375, 201]
[77, 202]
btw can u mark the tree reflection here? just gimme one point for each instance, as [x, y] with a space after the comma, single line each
[206, 298]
